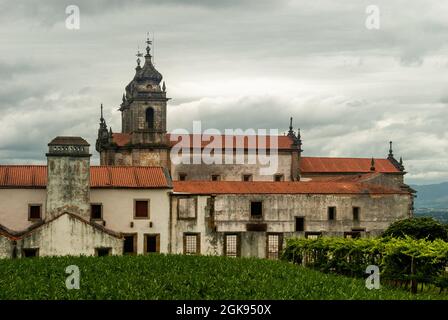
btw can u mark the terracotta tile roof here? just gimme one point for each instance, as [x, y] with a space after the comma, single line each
[344, 165]
[283, 142]
[263, 187]
[32, 176]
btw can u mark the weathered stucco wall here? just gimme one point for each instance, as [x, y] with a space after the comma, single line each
[68, 187]
[231, 215]
[118, 212]
[233, 172]
[14, 208]
[68, 235]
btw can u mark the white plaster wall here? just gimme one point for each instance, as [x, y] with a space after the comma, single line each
[118, 212]
[14, 206]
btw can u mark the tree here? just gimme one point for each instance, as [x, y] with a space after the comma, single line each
[418, 228]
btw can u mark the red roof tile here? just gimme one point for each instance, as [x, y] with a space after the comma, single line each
[283, 142]
[344, 165]
[263, 187]
[27, 176]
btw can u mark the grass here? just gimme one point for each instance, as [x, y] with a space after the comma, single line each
[181, 277]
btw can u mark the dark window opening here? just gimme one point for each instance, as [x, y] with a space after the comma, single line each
[216, 177]
[152, 243]
[256, 209]
[355, 213]
[102, 252]
[331, 213]
[141, 209]
[278, 177]
[129, 244]
[300, 224]
[150, 118]
[30, 253]
[35, 212]
[182, 177]
[96, 211]
[247, 177]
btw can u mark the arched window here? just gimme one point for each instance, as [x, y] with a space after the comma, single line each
[150, 117]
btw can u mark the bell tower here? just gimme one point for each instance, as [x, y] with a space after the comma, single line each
[143, 140]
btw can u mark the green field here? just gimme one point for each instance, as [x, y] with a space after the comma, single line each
[181, 277]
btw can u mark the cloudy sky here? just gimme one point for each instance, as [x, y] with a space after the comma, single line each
[235, 64]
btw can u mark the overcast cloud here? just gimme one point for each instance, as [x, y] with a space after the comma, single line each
[235, 64]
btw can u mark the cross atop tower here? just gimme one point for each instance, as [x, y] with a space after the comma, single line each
[148, 43]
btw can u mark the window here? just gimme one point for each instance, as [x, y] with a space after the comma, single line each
[96, 211]
[273, 246]
[182, 176]
[150, 118]
[331, 213]
[247, 177]
[34, 212]
[300, 224]
[186, 208]
[102, 252]
[313, 234]
[191, 243]
[355, 213]
[130, 244]
[152, 243]
[232, 245]
[216, 177]
[141, 209]
[30, 252]
[279, 177]
[256, 209]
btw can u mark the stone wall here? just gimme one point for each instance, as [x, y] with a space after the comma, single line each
[230, 214]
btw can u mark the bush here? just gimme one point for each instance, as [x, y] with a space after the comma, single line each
[418, 228]
[406, 260]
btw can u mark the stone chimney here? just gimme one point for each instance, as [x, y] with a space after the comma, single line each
[68, 173]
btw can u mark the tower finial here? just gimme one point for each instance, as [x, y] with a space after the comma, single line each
[391, 153]
[291, 131]
[163, 86]
[138, 55]
[148, 42]
[101, 118]
[372, 164]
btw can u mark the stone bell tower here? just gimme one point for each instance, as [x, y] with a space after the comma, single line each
[143, 139]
